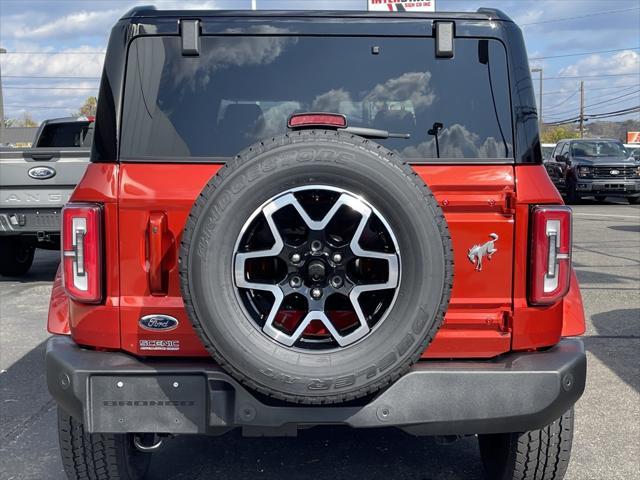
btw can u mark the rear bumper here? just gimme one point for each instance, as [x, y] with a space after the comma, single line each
[21, 221]
[117, 393]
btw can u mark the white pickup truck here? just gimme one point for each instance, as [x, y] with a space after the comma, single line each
[35, 183]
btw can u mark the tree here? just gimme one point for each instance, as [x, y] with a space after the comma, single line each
[25, 121]
[88, 108]
[555, 134]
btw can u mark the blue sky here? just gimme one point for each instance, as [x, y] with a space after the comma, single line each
[552, 28]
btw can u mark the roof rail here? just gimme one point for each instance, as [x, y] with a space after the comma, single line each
[495, 13]
[139, 11]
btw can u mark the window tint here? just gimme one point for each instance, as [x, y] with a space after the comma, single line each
[243, 89]
[63, 135]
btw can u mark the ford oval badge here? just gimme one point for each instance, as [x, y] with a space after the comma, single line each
[41, 173]
[158, 323]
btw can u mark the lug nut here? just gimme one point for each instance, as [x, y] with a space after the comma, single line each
[295, 258]
[316, 293]
[295, 282]
[337, 257]
[336, 282]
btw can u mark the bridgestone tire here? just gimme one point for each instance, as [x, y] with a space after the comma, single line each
[265, 170]
[98, 456]
[15, 257]
[535, 455]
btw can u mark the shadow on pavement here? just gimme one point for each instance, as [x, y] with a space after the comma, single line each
[23, 393]
[321, 453]
[620, 356]
[44, 268]
[588, 276]
[626, 228]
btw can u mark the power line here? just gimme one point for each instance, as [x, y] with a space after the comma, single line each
[585, 53]
[56, 53]
[587, 15]
[563, 101]
[51, 88]
[595, 116]
[593, 76]
[40, 107]
[608, 101]
[614, 98]
[49, 78]
[616, 87]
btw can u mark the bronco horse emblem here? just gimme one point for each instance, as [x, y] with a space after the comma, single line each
[478, 252]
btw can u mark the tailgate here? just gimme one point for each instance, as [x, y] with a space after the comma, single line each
[40, 177]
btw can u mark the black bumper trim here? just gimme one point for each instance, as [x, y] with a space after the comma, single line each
[114, 392]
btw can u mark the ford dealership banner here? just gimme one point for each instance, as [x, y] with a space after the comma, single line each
[402, 6]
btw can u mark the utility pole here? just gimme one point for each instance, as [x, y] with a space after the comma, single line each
[539, 70]
[2, 50]
[582, 109]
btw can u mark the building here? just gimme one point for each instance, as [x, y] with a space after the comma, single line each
[18, 136]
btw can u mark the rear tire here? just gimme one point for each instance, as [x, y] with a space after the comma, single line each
[242, 337]
[15, 257]
[98, 456]
[535, 455]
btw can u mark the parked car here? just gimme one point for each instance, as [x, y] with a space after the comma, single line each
[547, 150]
[296, 219]
[594, 167]
[34, 186]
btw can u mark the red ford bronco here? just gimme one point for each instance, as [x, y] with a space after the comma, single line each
[296, 219]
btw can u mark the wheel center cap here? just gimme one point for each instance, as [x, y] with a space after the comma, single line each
[317, 271]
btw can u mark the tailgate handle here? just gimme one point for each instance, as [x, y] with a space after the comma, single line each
[156, 252]
[42, 156]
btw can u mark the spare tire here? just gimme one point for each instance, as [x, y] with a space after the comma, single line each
[316, 267]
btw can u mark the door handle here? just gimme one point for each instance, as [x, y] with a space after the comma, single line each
[42, 156]
[156, 253]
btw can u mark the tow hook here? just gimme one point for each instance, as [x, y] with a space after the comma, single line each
[142, 443]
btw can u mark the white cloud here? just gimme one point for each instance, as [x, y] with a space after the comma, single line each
[624, 62]
[88, 64]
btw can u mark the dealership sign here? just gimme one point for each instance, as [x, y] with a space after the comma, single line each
[633, 137]
[402, 6]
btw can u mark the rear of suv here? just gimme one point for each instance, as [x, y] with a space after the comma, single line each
[296, 219]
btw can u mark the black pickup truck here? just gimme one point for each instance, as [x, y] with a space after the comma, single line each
[594, 167]
[34, 186]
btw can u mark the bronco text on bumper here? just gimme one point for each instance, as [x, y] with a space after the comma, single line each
[296, 219]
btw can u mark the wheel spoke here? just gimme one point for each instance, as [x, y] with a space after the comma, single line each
[321, 260]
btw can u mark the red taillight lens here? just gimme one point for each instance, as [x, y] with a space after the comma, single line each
[550, 267]
[82, 251]
[299, 120]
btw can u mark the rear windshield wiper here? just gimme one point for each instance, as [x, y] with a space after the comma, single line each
[374, 133]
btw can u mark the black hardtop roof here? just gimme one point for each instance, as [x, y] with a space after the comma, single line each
[150, 11]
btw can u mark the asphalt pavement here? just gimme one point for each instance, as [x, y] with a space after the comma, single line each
[606, 445]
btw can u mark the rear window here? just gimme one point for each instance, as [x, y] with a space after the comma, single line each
[63, 135]
[243, 89]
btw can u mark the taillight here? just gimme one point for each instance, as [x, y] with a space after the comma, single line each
[550, 267]
[82, 251]
[299, 120]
